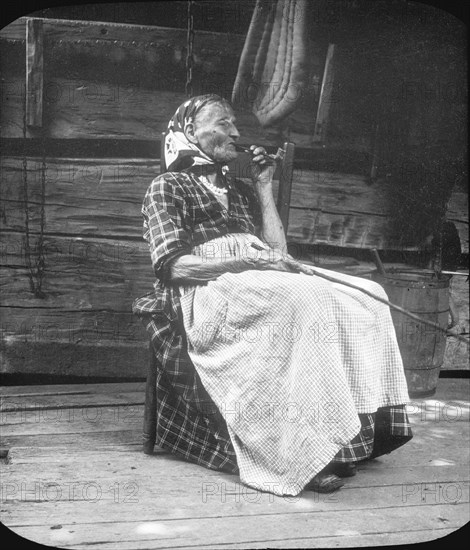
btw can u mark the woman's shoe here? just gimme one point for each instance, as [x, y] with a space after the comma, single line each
[325, 483]
[345, 469]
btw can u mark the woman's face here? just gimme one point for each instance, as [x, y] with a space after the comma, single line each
[215, 132]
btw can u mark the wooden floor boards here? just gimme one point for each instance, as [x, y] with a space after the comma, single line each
[76, 477]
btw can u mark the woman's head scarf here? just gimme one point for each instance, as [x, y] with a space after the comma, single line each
[180, 153]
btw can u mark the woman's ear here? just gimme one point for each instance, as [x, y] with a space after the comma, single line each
[190, 133]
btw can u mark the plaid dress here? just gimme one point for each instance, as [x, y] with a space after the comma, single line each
[179, 215]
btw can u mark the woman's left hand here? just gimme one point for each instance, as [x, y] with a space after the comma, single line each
[262, 167]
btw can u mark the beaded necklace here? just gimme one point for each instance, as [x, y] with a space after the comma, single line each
[220, 191]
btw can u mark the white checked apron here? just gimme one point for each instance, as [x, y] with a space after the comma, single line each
[290, 360]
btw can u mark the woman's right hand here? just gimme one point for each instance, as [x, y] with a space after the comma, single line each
[267, 259]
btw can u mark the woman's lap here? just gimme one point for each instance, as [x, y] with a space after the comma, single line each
[270, 314]
[291, 360]
[282, 355]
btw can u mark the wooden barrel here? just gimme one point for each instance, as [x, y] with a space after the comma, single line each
[422, 347]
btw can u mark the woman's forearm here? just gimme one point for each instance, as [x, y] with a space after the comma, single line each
[191, 268]
[272, 231]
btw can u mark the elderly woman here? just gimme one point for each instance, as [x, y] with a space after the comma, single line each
[266, 369]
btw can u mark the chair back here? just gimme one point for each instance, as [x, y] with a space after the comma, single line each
[162, 153]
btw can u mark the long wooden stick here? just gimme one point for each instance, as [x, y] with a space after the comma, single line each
[430, 271]
[393, 306]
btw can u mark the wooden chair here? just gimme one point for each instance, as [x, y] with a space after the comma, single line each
[239, 168]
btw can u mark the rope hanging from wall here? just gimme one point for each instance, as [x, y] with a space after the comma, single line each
[37, 265]
[189, 49]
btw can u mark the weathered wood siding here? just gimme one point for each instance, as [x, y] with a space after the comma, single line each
[134, 93]
[103, 197]
[96, 263]
[104, 83]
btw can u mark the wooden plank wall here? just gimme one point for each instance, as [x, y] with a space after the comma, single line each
[96, 263]
[108, 83]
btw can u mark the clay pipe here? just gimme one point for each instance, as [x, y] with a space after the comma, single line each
[279, 155]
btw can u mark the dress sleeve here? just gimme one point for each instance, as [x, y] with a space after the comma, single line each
[166, 223]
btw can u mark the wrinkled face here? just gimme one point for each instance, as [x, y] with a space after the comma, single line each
[215, 132]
